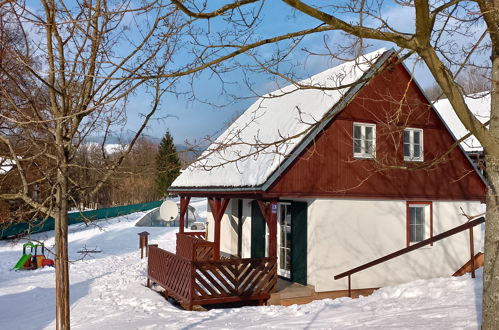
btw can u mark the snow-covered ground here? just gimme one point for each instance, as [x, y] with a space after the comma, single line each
[108, 292]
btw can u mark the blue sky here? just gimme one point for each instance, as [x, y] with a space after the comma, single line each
[193, 120]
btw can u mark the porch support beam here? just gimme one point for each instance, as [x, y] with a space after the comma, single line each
[184, 205]
[269, 212]
[217, 207]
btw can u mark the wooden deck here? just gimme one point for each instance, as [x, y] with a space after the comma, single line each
[192, 276]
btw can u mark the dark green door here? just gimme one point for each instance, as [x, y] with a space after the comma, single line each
[258, 227]
[299, 242]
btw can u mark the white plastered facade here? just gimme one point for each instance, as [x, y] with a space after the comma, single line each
[346, 233]
[228, 229]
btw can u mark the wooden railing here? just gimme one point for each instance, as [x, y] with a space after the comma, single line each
[467, 226]
[197, 234]
[171, 271]
[212, 281]
[194, 248]
[225, 280]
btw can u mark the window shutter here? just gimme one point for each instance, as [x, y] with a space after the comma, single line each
[299, 242]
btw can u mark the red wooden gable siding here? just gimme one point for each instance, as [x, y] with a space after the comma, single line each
[327, 167]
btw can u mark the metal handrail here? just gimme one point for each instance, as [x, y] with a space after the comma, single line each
[468, 225]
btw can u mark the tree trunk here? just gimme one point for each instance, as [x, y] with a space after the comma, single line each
[61, 248]
[490, 309]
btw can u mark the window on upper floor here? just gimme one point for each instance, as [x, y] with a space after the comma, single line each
[364, 140]
[413, 144]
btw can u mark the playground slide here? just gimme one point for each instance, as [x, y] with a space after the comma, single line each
[22, 261]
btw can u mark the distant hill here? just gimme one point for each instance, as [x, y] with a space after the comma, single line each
[121, 139]
[187, 154]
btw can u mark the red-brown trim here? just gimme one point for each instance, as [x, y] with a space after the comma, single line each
[184, 205]
[373, 197]
[407, 220]
[271, 221]
[270, 195]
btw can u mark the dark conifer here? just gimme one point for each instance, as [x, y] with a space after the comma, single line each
[167, 164]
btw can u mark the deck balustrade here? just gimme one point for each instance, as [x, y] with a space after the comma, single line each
[193, 247]
[203, 282]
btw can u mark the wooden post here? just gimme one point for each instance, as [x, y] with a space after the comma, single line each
[181, 224]
[273, 229]
[472, 253]
[184, 205]
[269, 212]
[217, 207]
[217, 229]
[349, 287]
[143, 238]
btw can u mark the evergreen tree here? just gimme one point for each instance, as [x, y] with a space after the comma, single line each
[167, 164]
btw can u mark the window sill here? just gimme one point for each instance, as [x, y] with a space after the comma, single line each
[423, 247]
[364, 157]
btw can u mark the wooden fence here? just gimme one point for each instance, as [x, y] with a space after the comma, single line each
[212, 281]
[197, 234]
[192, 247]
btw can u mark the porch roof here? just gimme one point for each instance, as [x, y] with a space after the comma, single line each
[266, 138]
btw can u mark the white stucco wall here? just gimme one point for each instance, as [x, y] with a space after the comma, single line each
[246, 241]
[228, 228]
[344, 234]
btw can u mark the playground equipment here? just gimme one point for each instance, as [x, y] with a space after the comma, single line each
[33, 260]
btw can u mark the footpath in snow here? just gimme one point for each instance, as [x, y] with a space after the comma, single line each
[108, 292]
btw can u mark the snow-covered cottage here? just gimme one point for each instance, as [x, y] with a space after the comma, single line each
[324, 175]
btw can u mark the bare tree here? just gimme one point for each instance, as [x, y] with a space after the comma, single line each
[472, 81]
[85, 52]
[94, 54]
[447, 36]
[131, 182]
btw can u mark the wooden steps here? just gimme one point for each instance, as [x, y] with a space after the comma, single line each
[289, 293]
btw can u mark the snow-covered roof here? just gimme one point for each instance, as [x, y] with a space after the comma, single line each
[109, 148]
[6, 165]
[268, 132]
[479, 105]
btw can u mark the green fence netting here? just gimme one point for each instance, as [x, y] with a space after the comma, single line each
[38, 226]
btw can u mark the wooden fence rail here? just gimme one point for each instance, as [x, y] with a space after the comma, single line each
[466, 226]
[194, 248]
[212, 281]
[197, 234]
[226, 280]
[171, 271]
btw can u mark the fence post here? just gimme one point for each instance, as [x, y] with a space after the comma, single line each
[143, 243]
[349, 287]
[472, 253]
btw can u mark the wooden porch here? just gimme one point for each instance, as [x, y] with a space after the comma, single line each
[196, 274]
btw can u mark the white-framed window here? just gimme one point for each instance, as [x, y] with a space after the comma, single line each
[413, 144]
[419, 221]
[364, 140]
